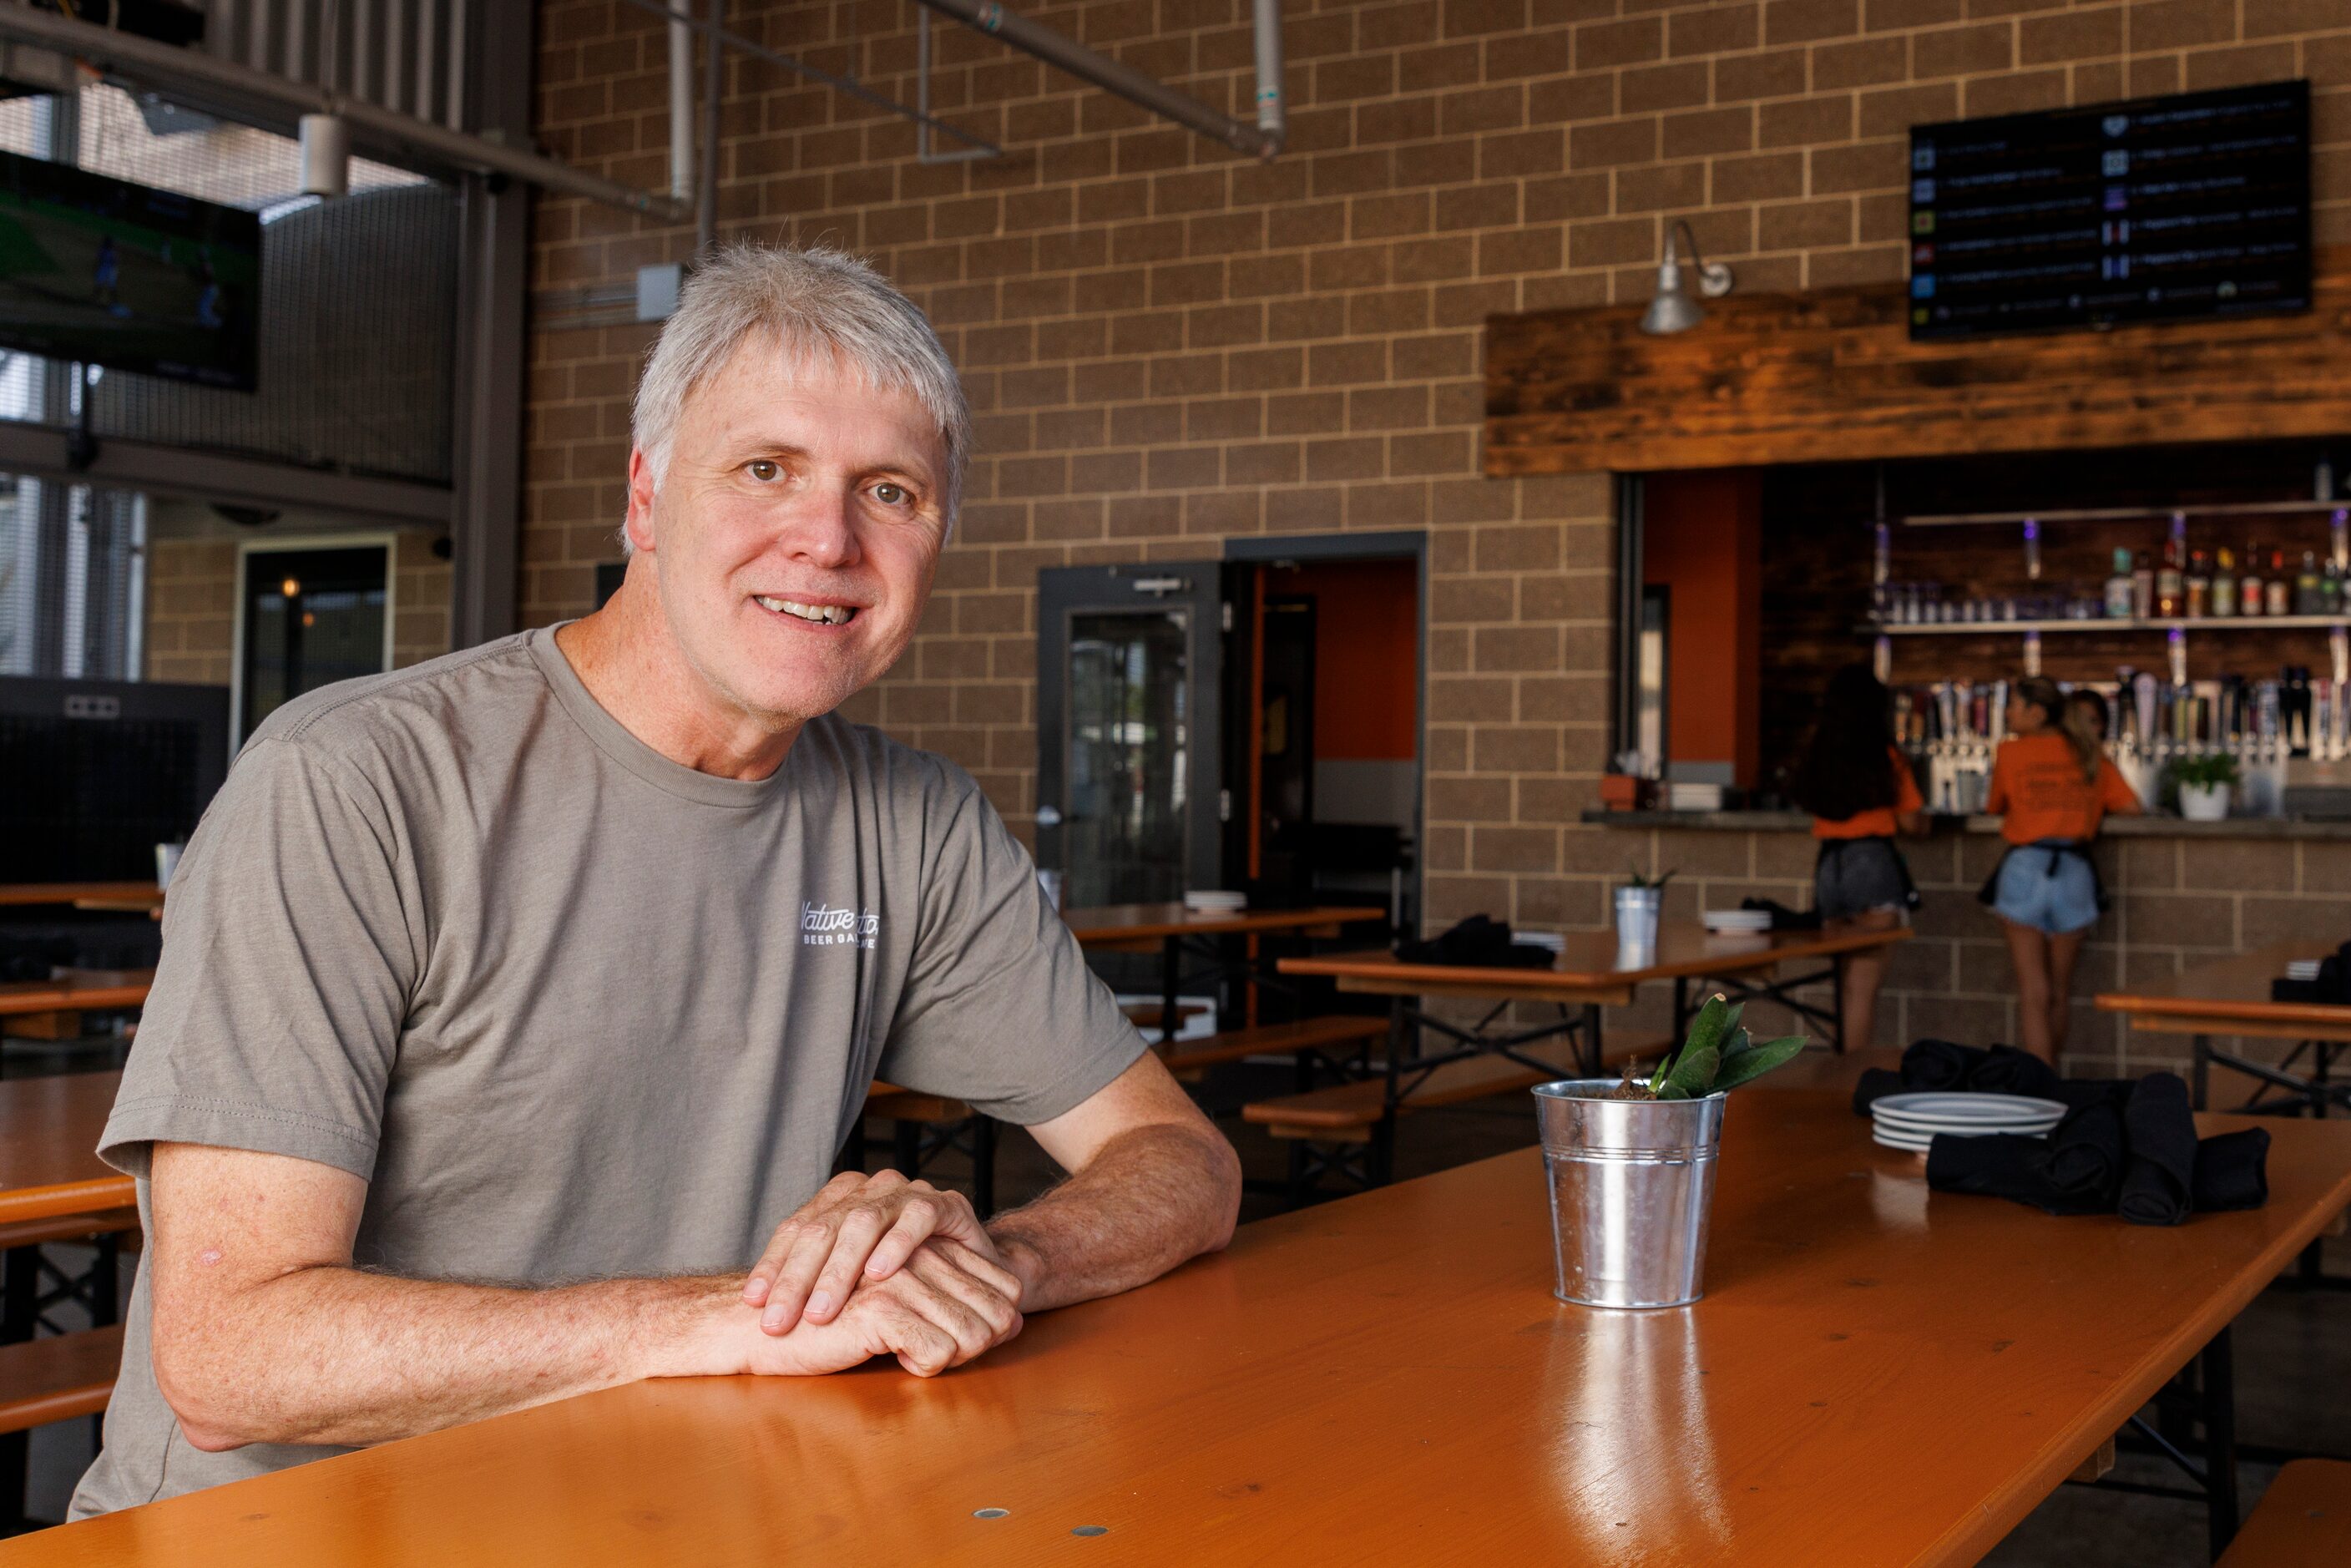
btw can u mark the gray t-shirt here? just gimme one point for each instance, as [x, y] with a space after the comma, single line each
[572, 1009]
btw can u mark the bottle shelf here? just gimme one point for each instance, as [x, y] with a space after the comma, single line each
[2132, 624]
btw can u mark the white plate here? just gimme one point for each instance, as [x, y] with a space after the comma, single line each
[1987, 1118]
[1916, 1143]
[1929, 1129]
[1947, 1106]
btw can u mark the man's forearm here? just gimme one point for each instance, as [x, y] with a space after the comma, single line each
[338, 1355]
[1152, 1198]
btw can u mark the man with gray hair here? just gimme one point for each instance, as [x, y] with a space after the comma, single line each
[513, 1007]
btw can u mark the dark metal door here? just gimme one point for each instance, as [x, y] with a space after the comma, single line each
[1129, 660]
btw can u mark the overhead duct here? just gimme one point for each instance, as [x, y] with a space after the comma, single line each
[1263, 140]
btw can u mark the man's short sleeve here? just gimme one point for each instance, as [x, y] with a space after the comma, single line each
[289, 960]
[999, 1008]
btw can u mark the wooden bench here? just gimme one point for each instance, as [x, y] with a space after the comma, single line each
[1357, 1113]
[57, 1377]
[1336, 1033]
[2304, 1520]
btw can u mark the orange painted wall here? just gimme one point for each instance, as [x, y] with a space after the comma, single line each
[1702, 538]
[1366, 644]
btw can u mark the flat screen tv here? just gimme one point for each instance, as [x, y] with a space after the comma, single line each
[2152, 209]
[125, 276]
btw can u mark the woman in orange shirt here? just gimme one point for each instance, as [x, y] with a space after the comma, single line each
[1861, 792]
[2053, 785]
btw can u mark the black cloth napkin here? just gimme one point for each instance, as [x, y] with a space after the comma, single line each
[1943, 1065]
[2138, 1157]
[1783, 917]
[2233, 1170]
[2077, 1169]
[2158, 1182]
[1481, 942]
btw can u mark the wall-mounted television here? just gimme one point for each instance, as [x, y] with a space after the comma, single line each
[2150, 209]
[128, 276]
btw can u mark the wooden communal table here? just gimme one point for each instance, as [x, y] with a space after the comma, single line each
[49, 1129]
[2232, 997]
[1174, 926]
[26, 894]
[1876, 1375]
[1595, 972]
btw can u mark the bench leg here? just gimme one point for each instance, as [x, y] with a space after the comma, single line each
[1380, 1166]
[983, 1165]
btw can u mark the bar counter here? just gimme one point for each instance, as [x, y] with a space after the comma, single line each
[2181, 894]
[2145, 827]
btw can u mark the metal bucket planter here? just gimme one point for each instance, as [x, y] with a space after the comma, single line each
[1632, 1183]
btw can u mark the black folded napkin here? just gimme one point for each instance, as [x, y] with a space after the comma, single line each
[1783, 917]
[2160, 1179]
[1481, 942]
[1942, 1065]
[2139, 1156]
[2233, 1170]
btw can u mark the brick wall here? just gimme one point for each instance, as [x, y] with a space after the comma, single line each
[1168, 344]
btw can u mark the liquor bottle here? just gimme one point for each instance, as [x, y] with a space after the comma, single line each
[2224, 584]
[2169, 590]
[2143, 588]
[2279, 587]
[2306, 595]
[2119, 588]
[2249, 587]
[2330, 589]
[2199, 587]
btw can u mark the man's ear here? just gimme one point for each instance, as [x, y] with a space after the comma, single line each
[639, 524]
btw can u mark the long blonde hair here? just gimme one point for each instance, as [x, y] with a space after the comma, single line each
[2068, 720]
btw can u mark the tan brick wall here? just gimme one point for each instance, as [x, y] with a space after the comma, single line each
[192, 606]
[1168, 344]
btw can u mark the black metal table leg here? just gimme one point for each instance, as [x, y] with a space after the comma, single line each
[2200, 1056]
[1837, 1005]
[2219, 1413]
[1595, 1061]
[20, 1290]
[1681, 1008]
[906, 1148]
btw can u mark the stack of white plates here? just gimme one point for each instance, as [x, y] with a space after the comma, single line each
[1912, 1121]
[1215, 901]
[2303, 969]
[1551, 941]
[1737, 919]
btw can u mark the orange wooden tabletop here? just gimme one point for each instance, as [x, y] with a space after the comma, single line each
[1150, 921]
[77, 989]
[1593, 961]
[49, 1129]
[1876, 1375]
[2234, 989]
[33, 892]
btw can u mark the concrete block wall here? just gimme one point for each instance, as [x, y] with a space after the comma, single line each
[1168, 345]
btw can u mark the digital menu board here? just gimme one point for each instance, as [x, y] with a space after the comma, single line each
[2146, 210]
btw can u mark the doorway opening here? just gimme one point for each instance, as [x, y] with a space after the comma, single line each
[309, 614]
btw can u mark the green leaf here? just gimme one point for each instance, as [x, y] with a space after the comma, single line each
[1707, 1032]
[1672, 1091]
[1694, 1073]
[1738, 1045]
[1754, 1063]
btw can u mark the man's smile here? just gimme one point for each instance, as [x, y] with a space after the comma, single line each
[816, 615]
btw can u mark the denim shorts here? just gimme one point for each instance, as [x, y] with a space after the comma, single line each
[1855, 876]
[2048, 888]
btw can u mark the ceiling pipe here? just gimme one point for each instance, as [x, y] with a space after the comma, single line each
[714, 85]
[1263, 140]
[164, 66]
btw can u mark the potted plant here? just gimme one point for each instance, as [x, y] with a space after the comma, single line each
[1638, 902]
[1631, 1165]
[2206, 781]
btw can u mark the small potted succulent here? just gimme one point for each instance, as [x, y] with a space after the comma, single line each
[1631, 1165]
[1638, 904]
[2206, 781]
